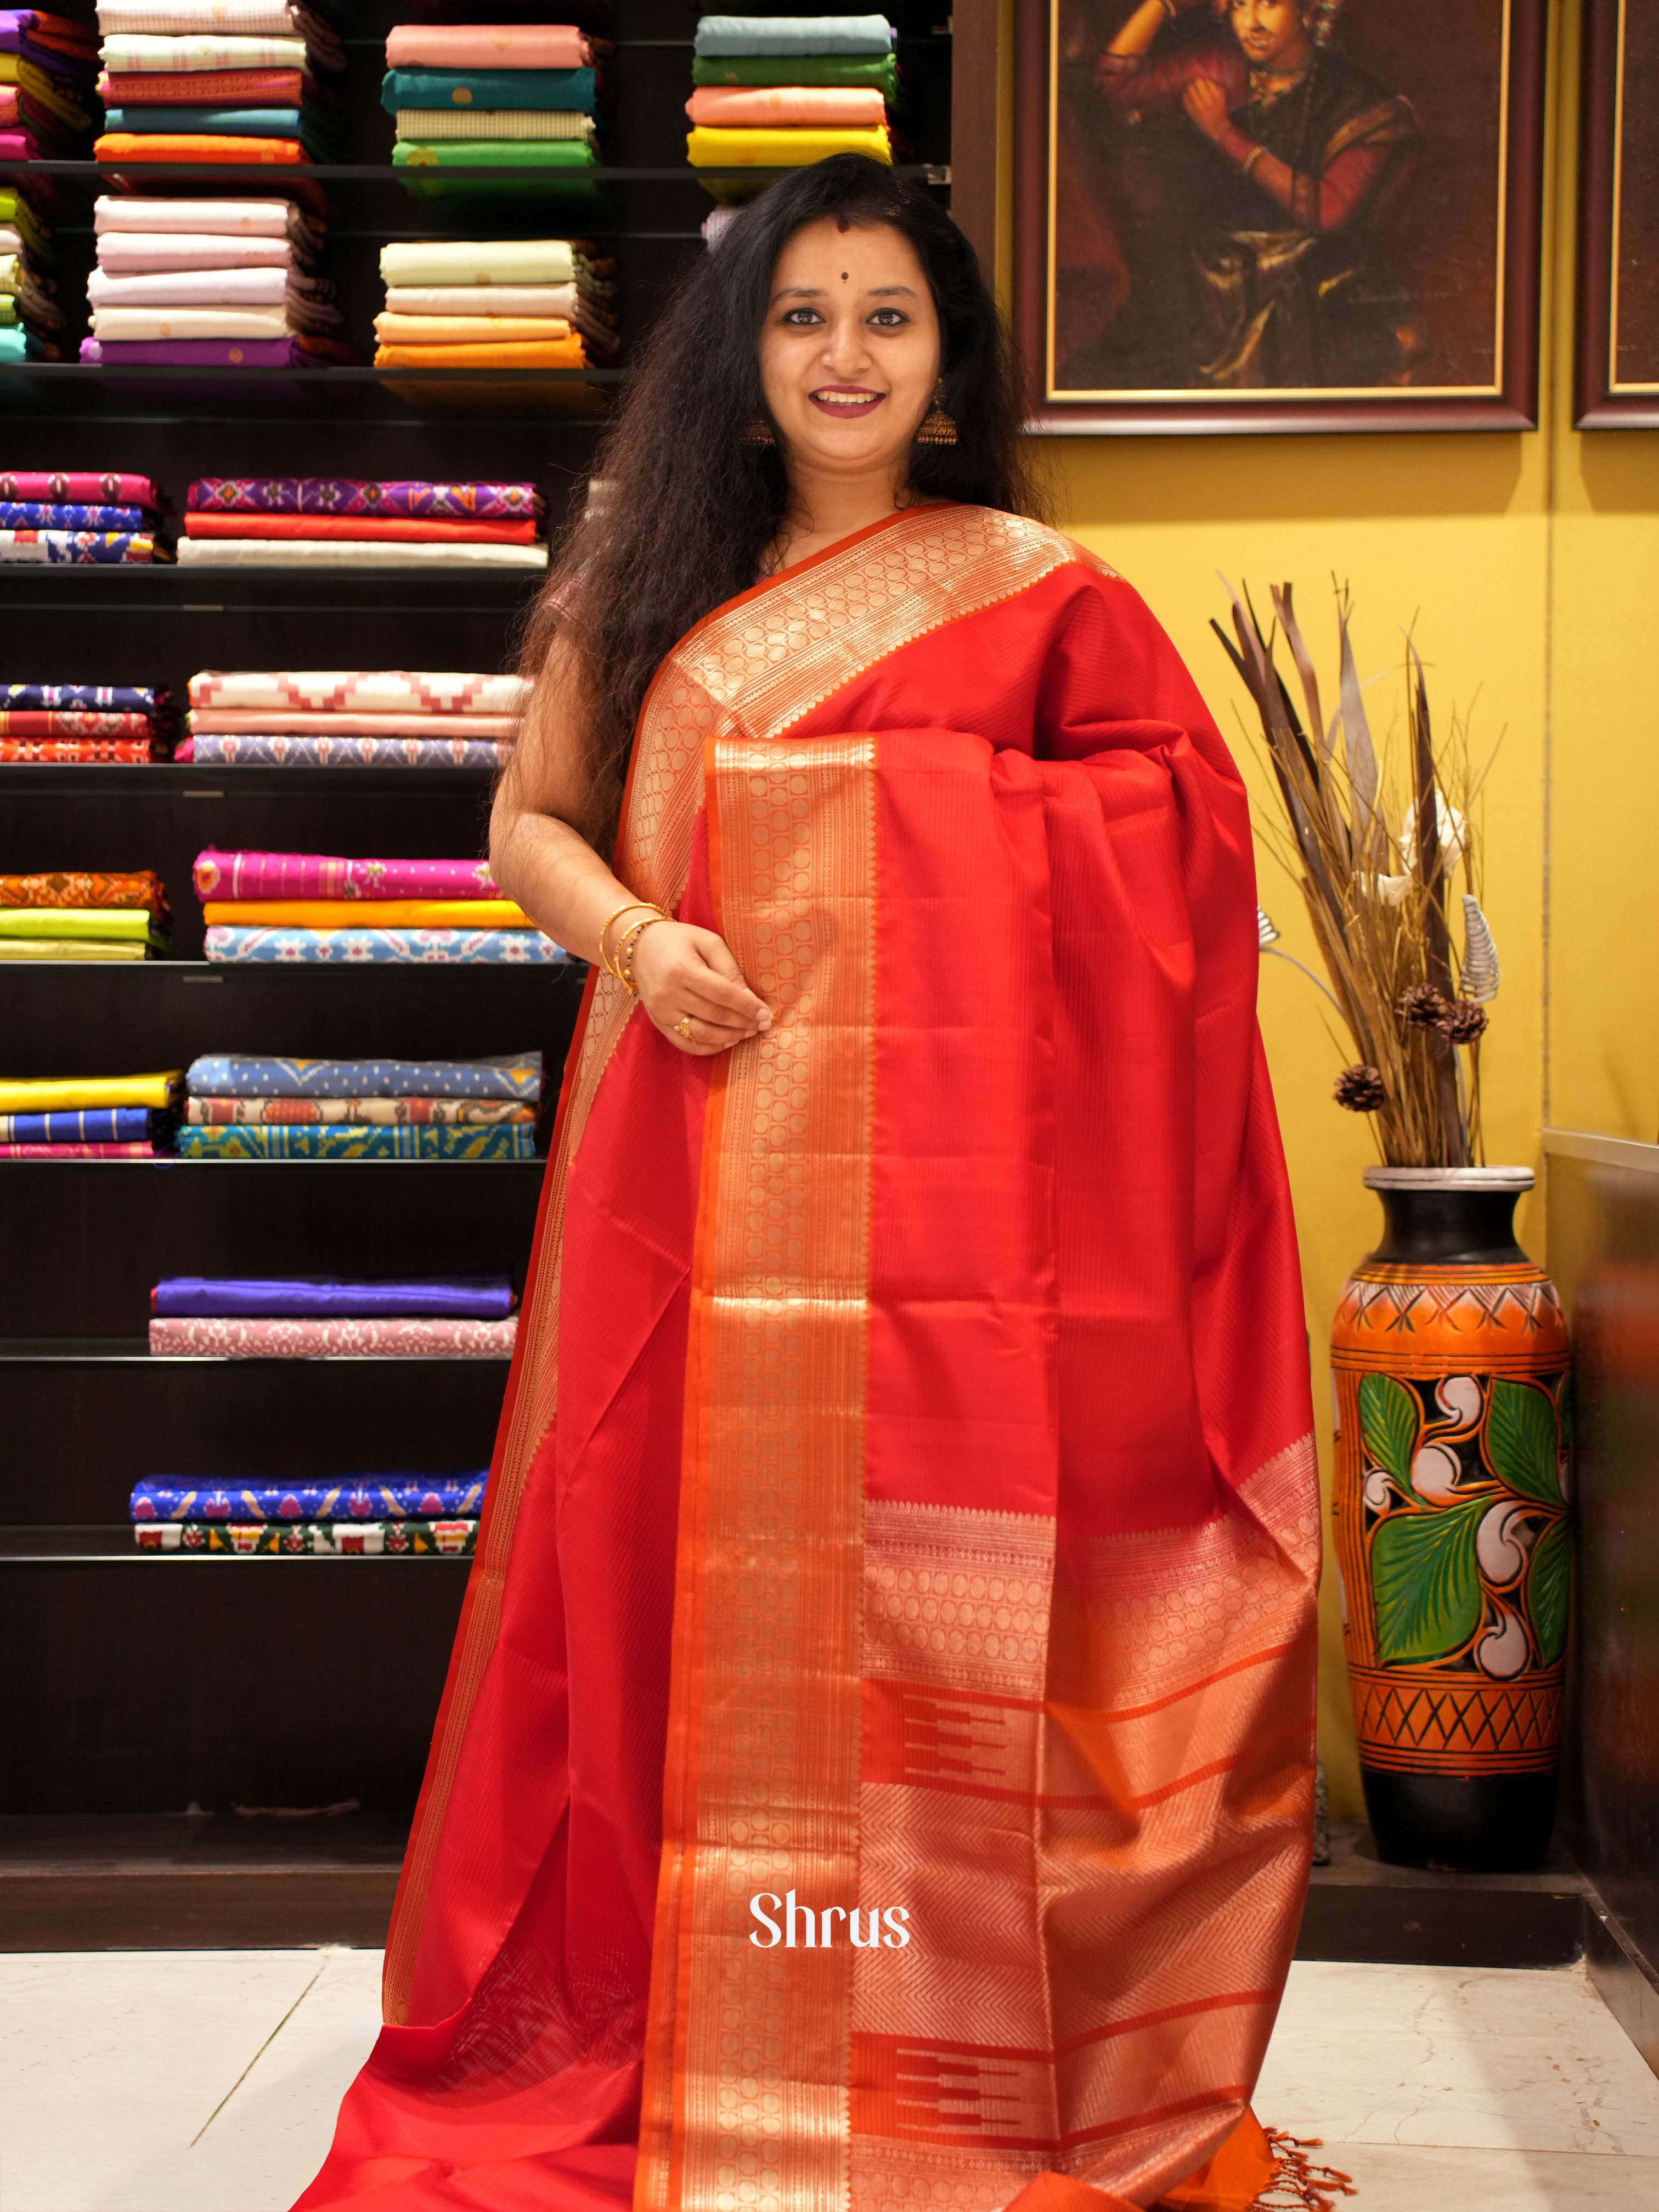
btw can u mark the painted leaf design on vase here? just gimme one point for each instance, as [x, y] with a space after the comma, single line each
[1426, 1582]
[1521, 1441]
[1389, 1419]
[1548, 1586]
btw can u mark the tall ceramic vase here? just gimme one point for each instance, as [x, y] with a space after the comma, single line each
[1450, 1359]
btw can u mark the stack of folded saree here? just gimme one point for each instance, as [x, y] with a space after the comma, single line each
[47, 65]
[313, 907]
[494, 303]
[392, 1515]
[31, 320]
[352, 717]
[85, 725]
[337, 522]
[84, 916]
[94, 1117]
[780, 91]
[317, 1317]
[221, 81]
[210, 283]
[78, 516]
[491, 107]
[244, 1106]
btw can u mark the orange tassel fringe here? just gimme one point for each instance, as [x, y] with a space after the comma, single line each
[1299, 2185]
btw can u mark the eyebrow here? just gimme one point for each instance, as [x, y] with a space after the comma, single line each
[817, 291]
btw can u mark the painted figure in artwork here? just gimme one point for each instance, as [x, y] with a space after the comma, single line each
[1237, 179]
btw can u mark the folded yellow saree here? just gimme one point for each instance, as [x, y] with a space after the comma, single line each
[369, 914]
[92, 921]
[44, 1094]
[72, 948]
[709, 147]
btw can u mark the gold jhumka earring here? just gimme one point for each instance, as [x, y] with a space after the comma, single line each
[936, 428]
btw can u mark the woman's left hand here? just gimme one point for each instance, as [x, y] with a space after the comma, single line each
[1206, 104]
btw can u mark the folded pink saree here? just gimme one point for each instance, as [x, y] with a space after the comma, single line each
[487, 46]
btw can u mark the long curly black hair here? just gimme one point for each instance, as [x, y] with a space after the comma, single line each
[688, 509]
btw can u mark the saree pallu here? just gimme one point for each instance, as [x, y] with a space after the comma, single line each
[39, 515]
[86, 753]
[936, 1366]
[125, 698]
[93, 1125]
[75, 722]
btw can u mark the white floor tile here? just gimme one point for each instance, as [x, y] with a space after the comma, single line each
[1434, 2088]
[1404, 2178]
[1437, 2055]
[112, 2062]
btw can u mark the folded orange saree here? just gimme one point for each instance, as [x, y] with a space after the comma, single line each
[556, 353]
[876, 1764]
[394, 329]
[179, 146]
[382, 914]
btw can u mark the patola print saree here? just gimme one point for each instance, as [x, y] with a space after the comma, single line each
[904, 1502]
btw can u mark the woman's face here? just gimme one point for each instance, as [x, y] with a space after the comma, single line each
[1272, 33]
[850, 352]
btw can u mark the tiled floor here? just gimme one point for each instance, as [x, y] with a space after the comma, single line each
[206, 2082]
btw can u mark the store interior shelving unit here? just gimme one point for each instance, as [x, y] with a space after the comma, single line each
[169, 1715]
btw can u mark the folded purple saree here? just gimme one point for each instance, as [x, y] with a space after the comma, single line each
[476, 502]
[216, 353]
[469, 1298]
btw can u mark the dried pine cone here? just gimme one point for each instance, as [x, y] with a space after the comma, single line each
[1464, 1022]
[1360, 1089]
[1423, 1007]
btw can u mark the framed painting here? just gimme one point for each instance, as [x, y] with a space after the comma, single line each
[1280, 214]
[1618, 319]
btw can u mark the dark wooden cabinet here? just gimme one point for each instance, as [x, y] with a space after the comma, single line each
[169, 1716]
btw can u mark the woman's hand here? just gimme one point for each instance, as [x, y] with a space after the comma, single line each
[680, 971]
[1205, 103]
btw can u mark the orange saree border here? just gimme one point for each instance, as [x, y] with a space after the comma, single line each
[752, 668]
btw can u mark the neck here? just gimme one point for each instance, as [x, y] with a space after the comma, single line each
[823, 507]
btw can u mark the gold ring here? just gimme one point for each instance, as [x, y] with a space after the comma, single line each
[683, 1026]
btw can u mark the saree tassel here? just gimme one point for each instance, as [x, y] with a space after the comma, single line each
[1299, 2185]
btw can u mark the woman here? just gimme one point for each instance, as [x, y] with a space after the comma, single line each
[875, 1767]
[1294, 287]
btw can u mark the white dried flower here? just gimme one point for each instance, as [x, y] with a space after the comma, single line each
[1451, 835]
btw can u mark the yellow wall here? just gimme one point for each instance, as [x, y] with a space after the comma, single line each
[1528, 565]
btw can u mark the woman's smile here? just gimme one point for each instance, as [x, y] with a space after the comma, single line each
[846, 399]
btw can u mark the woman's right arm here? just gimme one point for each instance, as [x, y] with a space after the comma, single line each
[537, 857]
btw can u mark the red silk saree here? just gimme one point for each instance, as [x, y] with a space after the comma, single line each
[904, 1502]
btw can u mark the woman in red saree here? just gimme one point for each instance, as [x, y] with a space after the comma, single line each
[876, 1764]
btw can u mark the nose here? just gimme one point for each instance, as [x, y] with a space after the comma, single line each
[847, 348]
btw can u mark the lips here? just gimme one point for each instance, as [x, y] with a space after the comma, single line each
[845, 403]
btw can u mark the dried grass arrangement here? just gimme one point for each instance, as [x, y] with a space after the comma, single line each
[1379, 898]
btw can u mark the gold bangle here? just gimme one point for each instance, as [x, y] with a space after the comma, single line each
[627, 907]
[625, 945]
